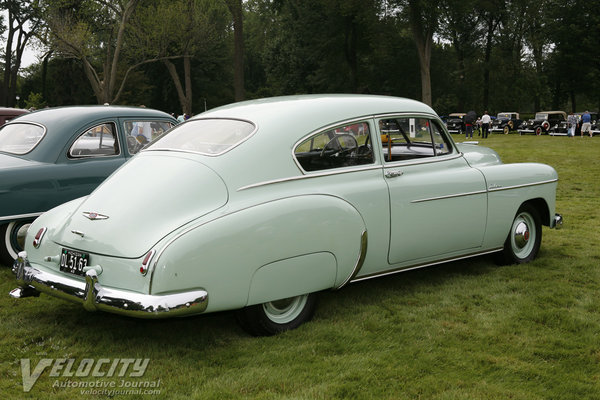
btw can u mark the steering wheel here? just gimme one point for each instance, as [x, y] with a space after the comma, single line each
[133, 145]
[341, 150]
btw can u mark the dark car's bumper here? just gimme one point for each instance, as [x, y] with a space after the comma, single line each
[32, 280]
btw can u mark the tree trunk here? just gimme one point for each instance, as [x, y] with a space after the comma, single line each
[423, 37]
[184, 95]
[235, 7]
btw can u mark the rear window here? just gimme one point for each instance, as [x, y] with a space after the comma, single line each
[20, 138]
[211, 137]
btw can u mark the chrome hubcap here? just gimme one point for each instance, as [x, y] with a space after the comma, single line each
[285, 310]
[523, 235]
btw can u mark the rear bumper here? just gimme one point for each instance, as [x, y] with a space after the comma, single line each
[557, 221]
[32, 280]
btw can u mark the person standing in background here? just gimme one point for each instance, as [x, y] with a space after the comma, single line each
[485, 124]
[571, 124]
[586, 123]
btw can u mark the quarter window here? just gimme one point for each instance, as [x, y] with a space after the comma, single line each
[344, 146]
[411, 138]
[99, 141]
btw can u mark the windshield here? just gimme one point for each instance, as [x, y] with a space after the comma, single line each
[541, 116]
[20, 138]
[211, 137]
[504, 116]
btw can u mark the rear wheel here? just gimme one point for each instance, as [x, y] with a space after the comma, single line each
[523, 242]
[277, 316]
[12, 240]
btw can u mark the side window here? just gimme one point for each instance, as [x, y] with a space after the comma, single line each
[440, 140]
[99, 141]
[344, 146]
[409, 138]
[140, 133]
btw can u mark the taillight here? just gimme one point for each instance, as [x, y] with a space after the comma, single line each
[37, 240]
[146, 262]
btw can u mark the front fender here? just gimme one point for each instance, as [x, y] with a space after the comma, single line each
[265, 252]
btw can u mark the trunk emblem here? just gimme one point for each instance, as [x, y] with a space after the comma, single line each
[94, 215]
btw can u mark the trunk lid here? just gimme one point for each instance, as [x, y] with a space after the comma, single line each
[149, 197]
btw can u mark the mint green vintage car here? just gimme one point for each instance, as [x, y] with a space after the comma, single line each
[259, 205]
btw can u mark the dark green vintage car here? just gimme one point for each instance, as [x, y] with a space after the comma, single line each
[55, 155]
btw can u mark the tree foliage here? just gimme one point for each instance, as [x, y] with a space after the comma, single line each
[499, 55]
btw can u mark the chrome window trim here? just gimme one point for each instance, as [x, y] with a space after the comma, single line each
[367, 119]
[424, 265]
[254, 124]
[330, 172]
[20, 216]
[27, 123]
[115, 127]
[419, 161]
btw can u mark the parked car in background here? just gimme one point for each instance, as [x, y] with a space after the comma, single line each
[8, 113]
[544, 122]
[562, 129]
[506, 122]
[259, 205]
[455, 123]
[55, 155]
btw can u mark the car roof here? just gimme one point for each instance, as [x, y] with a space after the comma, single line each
[282, 122]
[64, 122]
[307, 113]
[79, 114]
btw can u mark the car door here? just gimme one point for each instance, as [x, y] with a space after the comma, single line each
[438, 203]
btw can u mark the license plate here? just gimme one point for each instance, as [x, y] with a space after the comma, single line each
[74, 261]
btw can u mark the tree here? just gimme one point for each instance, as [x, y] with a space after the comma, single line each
[422, 17]
[94, 32]
[177, 33]
[23, 20]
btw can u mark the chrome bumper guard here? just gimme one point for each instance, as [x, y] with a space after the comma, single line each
[94, 296]
[557, 222]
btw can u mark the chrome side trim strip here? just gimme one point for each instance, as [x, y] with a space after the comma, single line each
[418, 266]
[450, 196]
[364, 239]
[20, 216]
[318, 175]
[497, 189]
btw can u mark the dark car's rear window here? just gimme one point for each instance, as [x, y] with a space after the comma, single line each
[211, 137]
[20, 138]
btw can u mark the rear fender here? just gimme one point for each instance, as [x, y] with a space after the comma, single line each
[277, 249]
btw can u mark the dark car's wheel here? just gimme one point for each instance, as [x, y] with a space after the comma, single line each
[277, 316]
[539, 130]
[506, 129]
[523, 241]
[12, 240]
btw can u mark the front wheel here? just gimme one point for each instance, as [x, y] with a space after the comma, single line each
[523, 242]
[12, 240]
[506, 130]
[277, 316]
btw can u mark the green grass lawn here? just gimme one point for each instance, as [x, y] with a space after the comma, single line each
[464, 330]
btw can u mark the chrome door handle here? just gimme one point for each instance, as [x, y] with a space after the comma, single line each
[393, 173]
